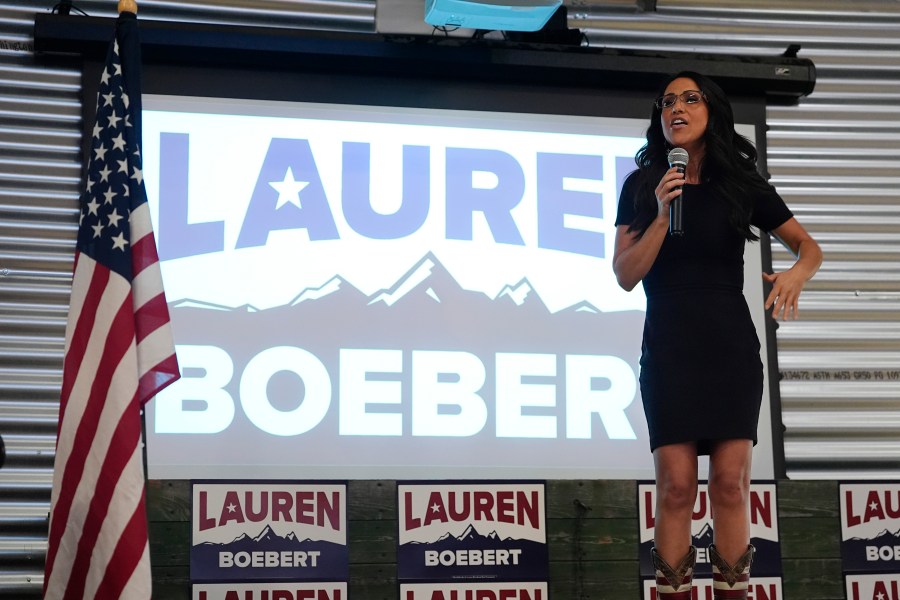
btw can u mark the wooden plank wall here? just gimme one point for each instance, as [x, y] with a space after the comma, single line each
[592, 531]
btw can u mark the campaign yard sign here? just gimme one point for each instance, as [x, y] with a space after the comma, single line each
[881, 586]
[474, 591]
[763, 529]
[761, 588]
[484, 531]
[870, 528]
[268, 531]
[270, 591]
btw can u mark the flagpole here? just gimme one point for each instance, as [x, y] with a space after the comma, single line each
[130, 6]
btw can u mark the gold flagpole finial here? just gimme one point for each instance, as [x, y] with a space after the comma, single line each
[127, 6]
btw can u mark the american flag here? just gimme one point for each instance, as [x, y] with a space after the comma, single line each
[118, 354]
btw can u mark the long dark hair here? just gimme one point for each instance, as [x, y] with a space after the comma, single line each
[728, 166]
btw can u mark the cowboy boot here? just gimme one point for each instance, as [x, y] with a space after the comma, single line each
[731, 581]
[674, 584]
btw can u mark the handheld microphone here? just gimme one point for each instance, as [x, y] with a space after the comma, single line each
[678, 157]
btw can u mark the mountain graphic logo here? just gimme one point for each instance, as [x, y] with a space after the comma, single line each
[268, 555]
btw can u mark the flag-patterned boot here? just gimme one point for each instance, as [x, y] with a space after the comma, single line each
[731, 581]
[674, 584]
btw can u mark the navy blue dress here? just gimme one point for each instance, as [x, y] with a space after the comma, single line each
[701, 376]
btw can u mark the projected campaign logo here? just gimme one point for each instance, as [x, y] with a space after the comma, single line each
[474, 531]
[870, 527]
[374, 292]
[268, 531]
[763, 529]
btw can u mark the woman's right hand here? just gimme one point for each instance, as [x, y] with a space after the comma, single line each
[668, 189]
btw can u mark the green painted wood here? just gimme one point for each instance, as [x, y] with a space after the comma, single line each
[372, 581]
[169, 500]
[170, 543]
[613, 499]
[592, 540]
[810, 538]
[371, 500]
[170, 583]
[801, 499]
[373, 542]
[595, 580]
[812, 579]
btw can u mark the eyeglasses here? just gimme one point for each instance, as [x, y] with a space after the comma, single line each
[689, 97]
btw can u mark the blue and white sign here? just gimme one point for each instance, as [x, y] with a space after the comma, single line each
[268, 531]
[763, 529]
[870, 527]
[472, 531]
[269, 591]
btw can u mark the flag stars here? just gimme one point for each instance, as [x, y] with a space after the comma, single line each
[105, 77]
[123, 166]
[109, 195]
[138, 175]
[114, 218]
[92, 207]
[114, 119]
[104, 174]
[108, 99]
[98, 229]
[119, 242]
[100, 152]
[97, 130]
[119, 142]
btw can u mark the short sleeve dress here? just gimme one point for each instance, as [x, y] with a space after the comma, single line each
[701, 376]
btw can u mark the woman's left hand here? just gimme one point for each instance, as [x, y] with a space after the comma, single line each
[785, 295]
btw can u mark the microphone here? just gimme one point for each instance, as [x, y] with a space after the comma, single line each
[678, 157]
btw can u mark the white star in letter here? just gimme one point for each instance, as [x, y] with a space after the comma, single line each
[119, 242]
[288, 190]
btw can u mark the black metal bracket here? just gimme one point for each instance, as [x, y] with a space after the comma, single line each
[782, 79]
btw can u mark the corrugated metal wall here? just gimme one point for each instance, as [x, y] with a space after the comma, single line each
[835, 158]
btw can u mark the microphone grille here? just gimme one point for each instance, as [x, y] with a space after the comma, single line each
[678, 156]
